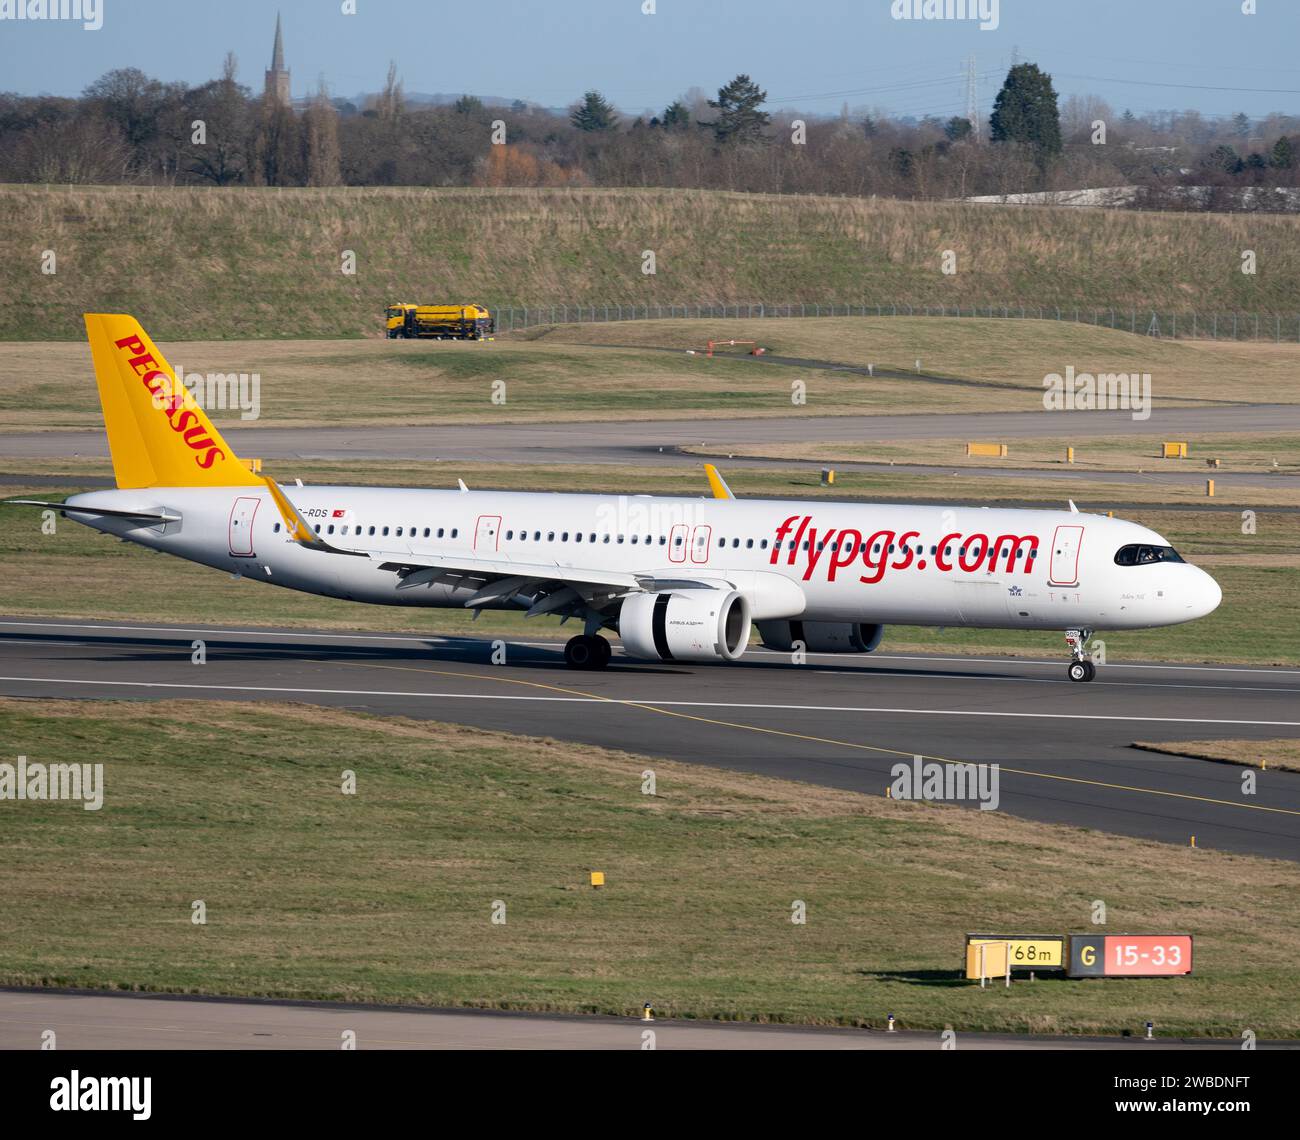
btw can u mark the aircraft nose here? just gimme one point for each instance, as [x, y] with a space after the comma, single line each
[1208, 594]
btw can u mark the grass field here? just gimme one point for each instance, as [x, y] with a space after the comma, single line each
[79, 573]
[387, 895]
[623, 372]
[266, 262]
[1283, 754]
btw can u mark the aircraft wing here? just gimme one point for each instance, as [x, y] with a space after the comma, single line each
[546, 586]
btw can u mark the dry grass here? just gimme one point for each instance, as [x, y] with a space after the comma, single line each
[1263, 754]
[557, 376]
[386, 895]
[249, 262]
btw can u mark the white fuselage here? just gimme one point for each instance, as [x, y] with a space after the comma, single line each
[836, 562]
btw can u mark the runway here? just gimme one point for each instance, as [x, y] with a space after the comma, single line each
[841, 721]
[133, 1021]
[656, 441]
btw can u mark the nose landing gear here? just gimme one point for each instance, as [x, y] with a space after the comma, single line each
[1081, 668]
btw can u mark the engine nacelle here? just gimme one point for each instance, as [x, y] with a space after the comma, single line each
[820, 636]
[686, 625]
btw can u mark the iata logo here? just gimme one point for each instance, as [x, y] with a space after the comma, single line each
[179, 411]
[836, 550]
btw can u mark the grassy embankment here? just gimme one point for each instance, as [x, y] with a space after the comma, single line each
[266, 262]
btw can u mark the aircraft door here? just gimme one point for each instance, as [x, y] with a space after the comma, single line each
[487, 534]
[241, 526]
[1064, 567]
[701, 536]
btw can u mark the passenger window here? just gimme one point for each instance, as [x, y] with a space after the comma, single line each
[372, 530]
[634, 540]
[318, 528]
[277, 528]
[749, 544]
[454, 532]
[399, 532]
[564, 537]
[426, 532]
[606, 538]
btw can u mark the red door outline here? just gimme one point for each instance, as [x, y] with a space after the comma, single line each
[1064, 570]
[487, 527]
[700, 542]
[677, 553]
[240, 528]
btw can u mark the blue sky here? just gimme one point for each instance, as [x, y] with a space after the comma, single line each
[1140, 54]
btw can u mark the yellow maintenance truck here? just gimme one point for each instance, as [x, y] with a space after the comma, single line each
[450, 322]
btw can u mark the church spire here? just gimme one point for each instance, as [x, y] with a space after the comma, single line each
[277, 56]
[277, 76]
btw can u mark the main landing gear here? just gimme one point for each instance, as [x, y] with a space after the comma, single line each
[587, 651]
[1081, 668]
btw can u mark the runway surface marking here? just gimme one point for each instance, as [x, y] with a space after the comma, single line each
[595, 699]
[445, 642]
[820, 739]
[576, 696]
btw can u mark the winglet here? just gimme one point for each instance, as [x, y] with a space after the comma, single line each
[717, 483]
[1073, 509]
[299, 528]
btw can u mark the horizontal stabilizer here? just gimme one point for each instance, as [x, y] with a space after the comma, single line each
[146, 516]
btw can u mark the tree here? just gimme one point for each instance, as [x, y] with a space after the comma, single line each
[957, 128]
[594, 113]
[739, 119]
[1241, 125]
[320, 136]
[468, 105]
[133, 102]
[677, 116]
[392, 101]
[1025, 112]
[222, 105]
[1225, 158]
[1283, 154]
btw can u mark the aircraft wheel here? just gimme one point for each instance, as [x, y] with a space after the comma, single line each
[603, 652]
[581, 653]
[1081, 671]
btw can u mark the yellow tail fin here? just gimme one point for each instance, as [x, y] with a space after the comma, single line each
[157, 433]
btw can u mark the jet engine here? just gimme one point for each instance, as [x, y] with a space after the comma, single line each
[686, 625]
[821, 636]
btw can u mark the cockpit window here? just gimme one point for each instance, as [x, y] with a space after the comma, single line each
[1142, 555]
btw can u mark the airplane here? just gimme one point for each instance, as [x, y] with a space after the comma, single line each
[678, 579]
